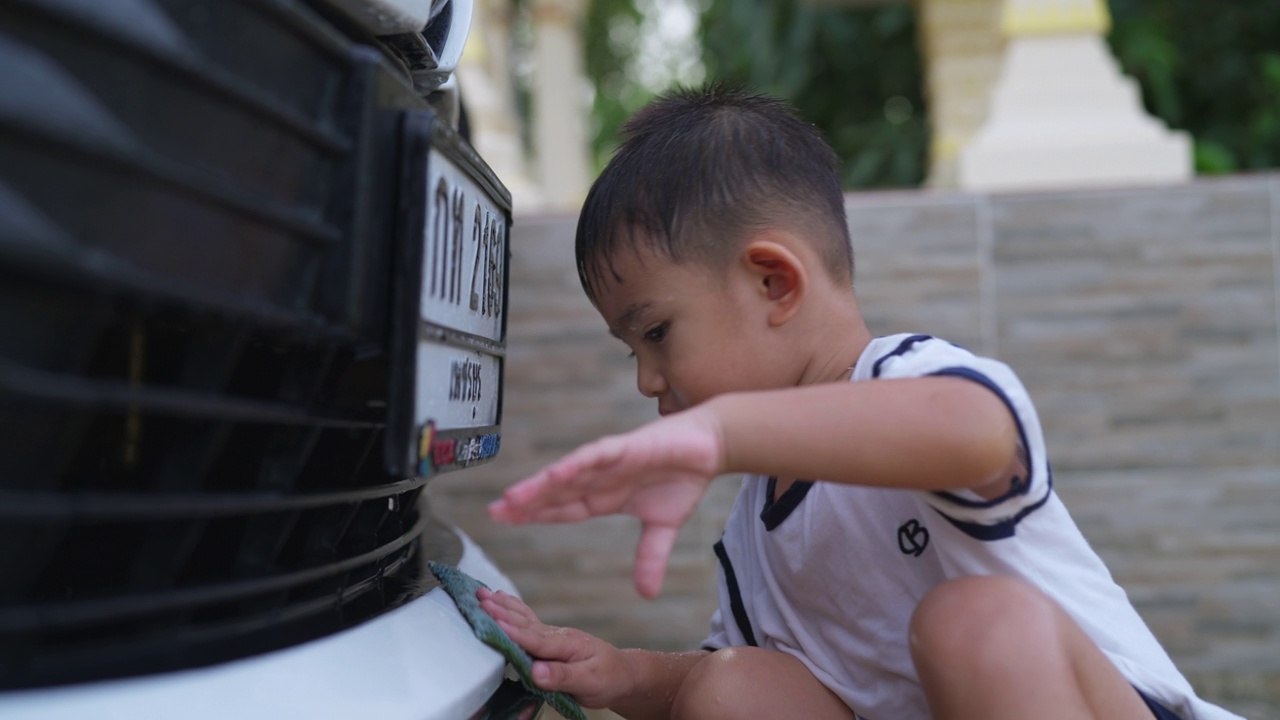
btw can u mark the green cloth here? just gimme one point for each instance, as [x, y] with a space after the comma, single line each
[462, 588]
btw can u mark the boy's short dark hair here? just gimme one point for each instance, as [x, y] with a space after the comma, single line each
[699, 170]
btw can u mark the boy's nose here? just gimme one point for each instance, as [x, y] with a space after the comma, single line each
[650, 383]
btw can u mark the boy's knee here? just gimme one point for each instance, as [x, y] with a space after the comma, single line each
[961, 618]
[969, 636]
[751, 682]
[708, 689]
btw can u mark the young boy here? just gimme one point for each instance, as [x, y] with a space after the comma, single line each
[897, 550]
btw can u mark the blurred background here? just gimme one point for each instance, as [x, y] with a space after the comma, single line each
[1084, 189]
[899, 87]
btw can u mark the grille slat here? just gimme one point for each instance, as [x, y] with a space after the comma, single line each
[100, 507]
[235, 635]
[135, 163]
[194, 69]
[99, 271]
[45, 387]
[54, 616]
[163, 553]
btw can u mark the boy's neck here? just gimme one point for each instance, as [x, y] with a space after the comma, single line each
[842, 335]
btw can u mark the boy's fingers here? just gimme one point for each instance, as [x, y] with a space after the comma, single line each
[502, 511]
[511, 508]
[652, 553]
[505, 607]
[546, 642]
[554, 676]
[497, 612]
[513, 503]
[520, 634]
[522, 501]
[573, 500]
[512, 605]
[574, 511]
[597, 455]
[561, 483]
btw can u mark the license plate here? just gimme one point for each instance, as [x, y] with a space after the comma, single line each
[464, 253]
[457, 257]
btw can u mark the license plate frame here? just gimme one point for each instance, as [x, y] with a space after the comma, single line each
[449, 304]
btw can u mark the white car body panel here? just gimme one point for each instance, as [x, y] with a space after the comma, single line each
[393, 17]
[387, 17]
[420, 661]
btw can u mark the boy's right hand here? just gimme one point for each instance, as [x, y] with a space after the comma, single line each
[596, 673]
[657, 473]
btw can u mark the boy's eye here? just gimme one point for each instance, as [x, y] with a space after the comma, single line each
[656, 334]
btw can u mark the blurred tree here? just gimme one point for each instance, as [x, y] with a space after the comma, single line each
[634, 50]
[853, 72]
[612, 30]
[1212, 69]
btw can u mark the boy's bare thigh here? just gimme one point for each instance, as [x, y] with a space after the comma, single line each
[751, 682]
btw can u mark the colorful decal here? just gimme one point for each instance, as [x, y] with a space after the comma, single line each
[426, 439]
[437, 453]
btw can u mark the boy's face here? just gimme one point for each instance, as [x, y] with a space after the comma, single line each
[694, 333]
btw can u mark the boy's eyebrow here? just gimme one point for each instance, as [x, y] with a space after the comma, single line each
[629, 316]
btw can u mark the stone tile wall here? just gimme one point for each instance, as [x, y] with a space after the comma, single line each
[1143, 321]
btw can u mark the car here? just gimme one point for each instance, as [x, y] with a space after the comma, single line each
[253, 282]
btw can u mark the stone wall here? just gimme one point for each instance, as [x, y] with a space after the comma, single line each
[1143, 321]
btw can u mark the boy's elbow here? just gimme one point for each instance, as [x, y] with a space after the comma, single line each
[987, 439]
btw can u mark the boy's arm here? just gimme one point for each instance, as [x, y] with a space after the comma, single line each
[929, 433]
[658, 679]
[636, 684]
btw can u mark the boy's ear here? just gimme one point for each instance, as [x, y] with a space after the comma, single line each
[778, 276]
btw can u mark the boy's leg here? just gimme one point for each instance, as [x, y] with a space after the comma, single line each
[751, 682]
[995, 647]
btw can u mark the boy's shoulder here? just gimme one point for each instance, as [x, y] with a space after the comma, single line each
[914, 355]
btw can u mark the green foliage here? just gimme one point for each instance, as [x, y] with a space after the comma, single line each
[1210, 68]
[855, 73]
[610, 29]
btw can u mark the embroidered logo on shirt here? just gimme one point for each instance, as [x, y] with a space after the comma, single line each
[913, 538]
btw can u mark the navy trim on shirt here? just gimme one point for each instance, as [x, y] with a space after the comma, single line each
[775, 511]
[1159, 711]
[903, 348]
[735, 595]
[1017, 486]
[1004, 528]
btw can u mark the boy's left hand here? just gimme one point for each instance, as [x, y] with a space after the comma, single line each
[566, 660]
[658, 473]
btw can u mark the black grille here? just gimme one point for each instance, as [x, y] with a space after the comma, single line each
[196, 223]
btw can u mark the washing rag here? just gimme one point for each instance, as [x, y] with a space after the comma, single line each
[462, 588]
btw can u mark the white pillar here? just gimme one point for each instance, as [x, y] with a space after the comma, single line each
[1062, 114]
[484, 78]
[963, 49]
[560, 113]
